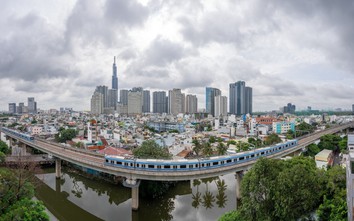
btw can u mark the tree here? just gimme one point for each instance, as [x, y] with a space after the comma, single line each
[16, 192]
[149, 149]
[66, 134]
[329, 141]
[256, 142]
[290, 134]
[272, 139]
[26, 210]
[242, 146]
[222, 149]
[281, 190]
[212, 139]
[207, 150]
[334, 209]
[304, 196]
[343, 144]
[258, 188]
[2, 157]
[233, 142]
[312, 150]
[304, 128]
[234, 215]
[197, 147]
[4, 148]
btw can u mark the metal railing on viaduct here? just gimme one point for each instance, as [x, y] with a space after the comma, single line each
[96, 161]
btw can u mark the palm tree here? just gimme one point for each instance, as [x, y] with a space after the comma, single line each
[197, 197]
[221, 198]
[222, 149]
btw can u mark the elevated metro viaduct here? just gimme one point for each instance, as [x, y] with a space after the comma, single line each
[96, 161]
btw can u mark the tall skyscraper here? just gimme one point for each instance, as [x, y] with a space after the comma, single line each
[123, 97]
[32, 105]
[114, 76]
[12, 108]
[220, 106]
[113, 95]
[240, 98]
[159, 101]
[191, 104]
[176, 101]
[210, 94]
[146, 101]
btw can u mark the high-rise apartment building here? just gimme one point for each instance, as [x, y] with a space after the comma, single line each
[135, 102]
[176, 101]
[248, 100]
[112, 98]
[159, 101]
[210, 94]
[123, 97]
[220, 106]
[12, 108]
[20, 108]
[240, 98]
[32, 105]
[146, 101]
[289, 108]
[191, 104]
[104, 91]
[97, 103]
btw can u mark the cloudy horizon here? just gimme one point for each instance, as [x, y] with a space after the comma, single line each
[296, 52]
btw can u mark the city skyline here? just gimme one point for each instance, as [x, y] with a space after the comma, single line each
[298, 52]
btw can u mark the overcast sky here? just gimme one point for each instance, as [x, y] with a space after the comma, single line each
[288, 51]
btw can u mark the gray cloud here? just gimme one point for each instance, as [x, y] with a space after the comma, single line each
[32, 51]
[124, 12]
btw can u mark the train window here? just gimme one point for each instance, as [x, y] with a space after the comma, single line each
[228, 161]
[158, 166]
[174, 167]
[252, 155]
[286, 145]
[119, 163]
[241, 158]
[107, 161]
[167, 166]
[150, 166]
[183, 166]
[215, 163]
[196, 165]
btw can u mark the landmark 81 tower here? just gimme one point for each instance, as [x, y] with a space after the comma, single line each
[114, 76]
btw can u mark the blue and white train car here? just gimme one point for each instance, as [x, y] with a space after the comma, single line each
[19, 134]
[196, 164]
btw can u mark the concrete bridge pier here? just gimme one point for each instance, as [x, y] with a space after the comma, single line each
[238, 176]
[57, 168]
[134, 184]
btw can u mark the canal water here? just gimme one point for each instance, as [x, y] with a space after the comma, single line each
[74, 197]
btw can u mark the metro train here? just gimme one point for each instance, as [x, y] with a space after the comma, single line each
[18, 134]
[195, 164]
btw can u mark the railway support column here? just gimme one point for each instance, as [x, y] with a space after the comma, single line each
[57, 168]
[238, 177]
[134, 184]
